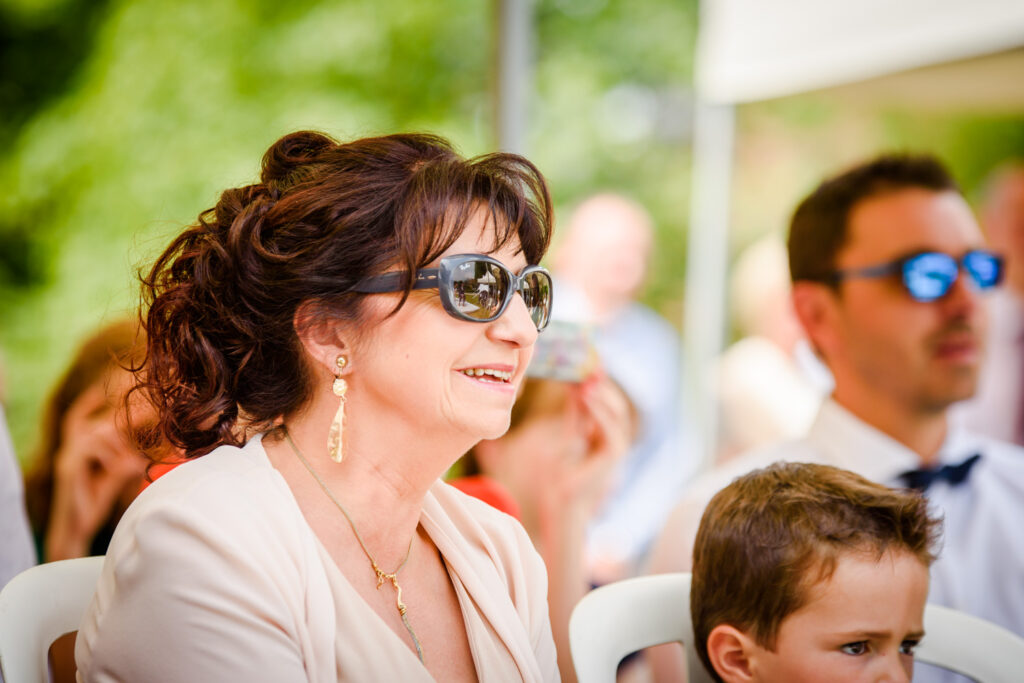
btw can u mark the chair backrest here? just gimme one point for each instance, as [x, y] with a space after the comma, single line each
[623, 617]
[38, 606]
[970, 646]
[614, 620]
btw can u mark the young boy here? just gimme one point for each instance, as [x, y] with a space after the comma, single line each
[807, 573]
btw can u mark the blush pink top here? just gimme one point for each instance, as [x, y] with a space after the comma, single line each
[214, 575]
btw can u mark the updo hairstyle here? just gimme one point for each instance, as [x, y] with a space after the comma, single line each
[223, 357]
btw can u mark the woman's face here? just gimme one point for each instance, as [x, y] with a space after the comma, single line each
[428, 367]
[95, 437]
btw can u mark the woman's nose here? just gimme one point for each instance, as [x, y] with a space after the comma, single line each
[515, 325]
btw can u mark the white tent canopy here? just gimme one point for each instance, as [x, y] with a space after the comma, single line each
[947, 54]
[751, 50]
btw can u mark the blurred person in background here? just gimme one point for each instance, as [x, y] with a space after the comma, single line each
[997, 410]
[16, 550]
[600, 268]
[770, 383]
[889, 273]
[309, 351]
[87, 469]
[556, 462]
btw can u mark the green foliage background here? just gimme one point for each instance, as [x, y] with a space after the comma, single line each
[123, 119]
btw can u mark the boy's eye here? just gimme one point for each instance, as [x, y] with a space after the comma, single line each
[856, 649]
[907, 647]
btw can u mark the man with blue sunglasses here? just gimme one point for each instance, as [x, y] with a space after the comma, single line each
[889, 275]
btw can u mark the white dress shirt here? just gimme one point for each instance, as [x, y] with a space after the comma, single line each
[980, 569]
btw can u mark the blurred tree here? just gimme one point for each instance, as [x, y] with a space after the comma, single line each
[41, 47]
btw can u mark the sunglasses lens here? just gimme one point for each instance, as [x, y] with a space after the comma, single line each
[986, 269]
[536, 291]
[929, 276]
[479, 289]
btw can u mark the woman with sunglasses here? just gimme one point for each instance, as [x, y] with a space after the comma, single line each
[323, 345]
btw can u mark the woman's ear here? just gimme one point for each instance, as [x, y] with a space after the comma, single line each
[322, 338]
[730, 651]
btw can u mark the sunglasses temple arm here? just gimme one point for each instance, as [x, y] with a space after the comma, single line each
[393, 282]
[869, 271]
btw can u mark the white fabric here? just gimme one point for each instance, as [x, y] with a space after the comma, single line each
[749, 50]
[980, 569]
[213, 574]
[17, 551]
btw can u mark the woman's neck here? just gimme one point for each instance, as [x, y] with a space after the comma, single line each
[385, 472]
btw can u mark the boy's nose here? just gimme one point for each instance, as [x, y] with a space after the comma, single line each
[894, 670]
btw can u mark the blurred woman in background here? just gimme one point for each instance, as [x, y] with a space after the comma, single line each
[557, 463]
[87, 469]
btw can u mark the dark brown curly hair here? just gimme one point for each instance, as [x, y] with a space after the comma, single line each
[223, 355]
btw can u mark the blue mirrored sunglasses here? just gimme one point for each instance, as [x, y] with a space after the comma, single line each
[474, 287]
[929, 275]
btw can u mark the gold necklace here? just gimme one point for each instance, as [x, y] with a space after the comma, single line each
[381, 575]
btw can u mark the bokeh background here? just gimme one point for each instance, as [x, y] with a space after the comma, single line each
[121, 120]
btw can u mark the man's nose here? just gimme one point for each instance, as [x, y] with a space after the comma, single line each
[964, 296]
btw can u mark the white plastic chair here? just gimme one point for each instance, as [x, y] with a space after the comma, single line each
[970, 646]
[38, 606]
[614, 620]
[619, 618]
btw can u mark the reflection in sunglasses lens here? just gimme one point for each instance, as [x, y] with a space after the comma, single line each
[983, 267]
[536, 293]
[479, 289]
[930, 276]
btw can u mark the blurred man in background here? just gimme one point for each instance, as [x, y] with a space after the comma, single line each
[600, 268]
[998, 408]
[888, 269]
[770, 383]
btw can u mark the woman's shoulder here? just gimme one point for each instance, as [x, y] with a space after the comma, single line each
[231, 489]
[245, 468]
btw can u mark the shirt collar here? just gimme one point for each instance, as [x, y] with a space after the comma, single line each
[847, 441]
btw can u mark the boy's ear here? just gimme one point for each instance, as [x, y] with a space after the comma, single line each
[729, 650]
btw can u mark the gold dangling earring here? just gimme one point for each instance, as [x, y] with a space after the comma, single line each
[335, 436]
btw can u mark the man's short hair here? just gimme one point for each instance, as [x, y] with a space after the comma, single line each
[818, 228]
[771, 535]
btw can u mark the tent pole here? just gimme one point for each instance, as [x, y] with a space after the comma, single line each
[513, 33]
[706, 274]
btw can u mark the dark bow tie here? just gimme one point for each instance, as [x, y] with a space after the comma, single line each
[954, 474]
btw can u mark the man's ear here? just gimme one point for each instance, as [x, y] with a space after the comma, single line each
[814, 304]
[322, 338]
[730, 651]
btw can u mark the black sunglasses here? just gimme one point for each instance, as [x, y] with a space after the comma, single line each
[929, 275]
[474, 287]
